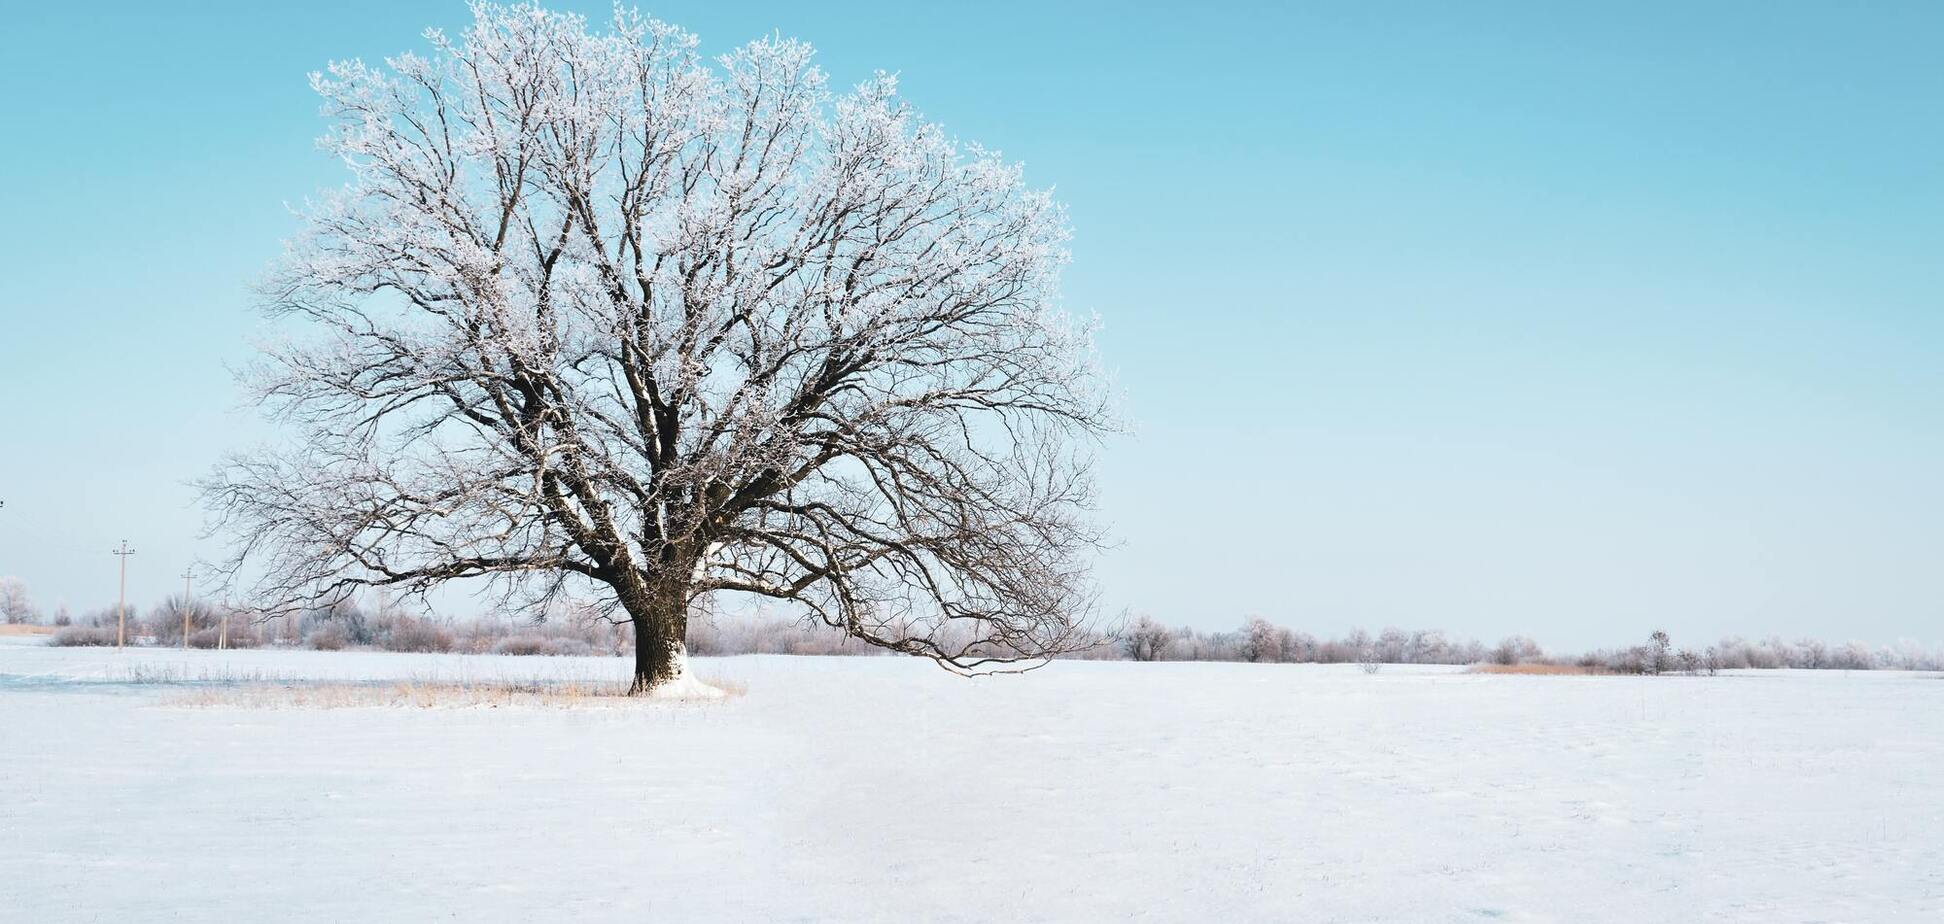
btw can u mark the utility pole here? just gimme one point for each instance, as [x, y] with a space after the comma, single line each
[187, 574]
[121, 598]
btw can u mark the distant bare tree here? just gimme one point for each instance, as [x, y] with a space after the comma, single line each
[1690, 661]
[1146, 639]
[1296, 646]
[1356, 646]
[1516, 649]
[1392, 645]
[598, 317]
[165, 621]
[1854, 656]
[1428, 647]
[1261, 641]
[15, 605]
[1658, 660]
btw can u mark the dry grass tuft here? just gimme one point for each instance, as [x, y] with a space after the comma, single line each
[26, 630]
[420, 694]
[1540, 669]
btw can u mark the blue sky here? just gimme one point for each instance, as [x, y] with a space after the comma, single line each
[1519, 318]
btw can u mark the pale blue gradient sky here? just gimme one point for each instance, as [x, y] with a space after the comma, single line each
[1513, 319]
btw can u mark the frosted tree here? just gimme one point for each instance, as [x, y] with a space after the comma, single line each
[1260, 641]
[15, 604]
[1146, 639]
[1658, 658]
[596, 316]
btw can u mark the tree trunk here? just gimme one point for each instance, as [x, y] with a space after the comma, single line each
[660, 618]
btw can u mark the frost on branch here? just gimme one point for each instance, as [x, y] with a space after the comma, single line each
[595, 315]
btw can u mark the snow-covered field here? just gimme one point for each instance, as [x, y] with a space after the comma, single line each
[884, 789]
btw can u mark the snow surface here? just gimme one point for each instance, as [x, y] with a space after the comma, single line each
[884, 789]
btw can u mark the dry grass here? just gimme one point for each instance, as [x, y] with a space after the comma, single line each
[175, 674]
[421, 694]
[1539, 669]
[26, 630]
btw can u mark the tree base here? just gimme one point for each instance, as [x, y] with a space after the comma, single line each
[680, 684]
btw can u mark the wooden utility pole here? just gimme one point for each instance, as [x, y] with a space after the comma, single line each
[187, 574]
[121, 597]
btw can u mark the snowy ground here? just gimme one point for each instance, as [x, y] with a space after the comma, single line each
[881, 789]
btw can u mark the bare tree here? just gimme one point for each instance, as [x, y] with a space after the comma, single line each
[1657, 657]
[1688, 661]
[167, 619]
[1146, 639]
[1516, 649]
[15, 605]
[597, 316]
[1393, 646]
[1261, 641]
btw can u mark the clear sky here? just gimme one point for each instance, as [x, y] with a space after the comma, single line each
[1517, 318]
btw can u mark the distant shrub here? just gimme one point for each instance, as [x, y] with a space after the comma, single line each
[411, 633]
[329, 637]
[242, 634]
[340, 625]
[1516, 649]
[82, 636]
[522, 645]
[554, 646]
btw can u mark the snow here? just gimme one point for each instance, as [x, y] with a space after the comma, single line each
[685, 685]
[884, 789]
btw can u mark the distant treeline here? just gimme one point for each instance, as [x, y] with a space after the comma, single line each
[1146, 639]
[391, 628]
[386, 627]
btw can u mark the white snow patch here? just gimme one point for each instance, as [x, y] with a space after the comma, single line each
[685, 686]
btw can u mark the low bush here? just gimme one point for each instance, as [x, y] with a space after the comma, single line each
[83, 636]
[329, 637]
[411, 633]
[242, 633]
[529, 644]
